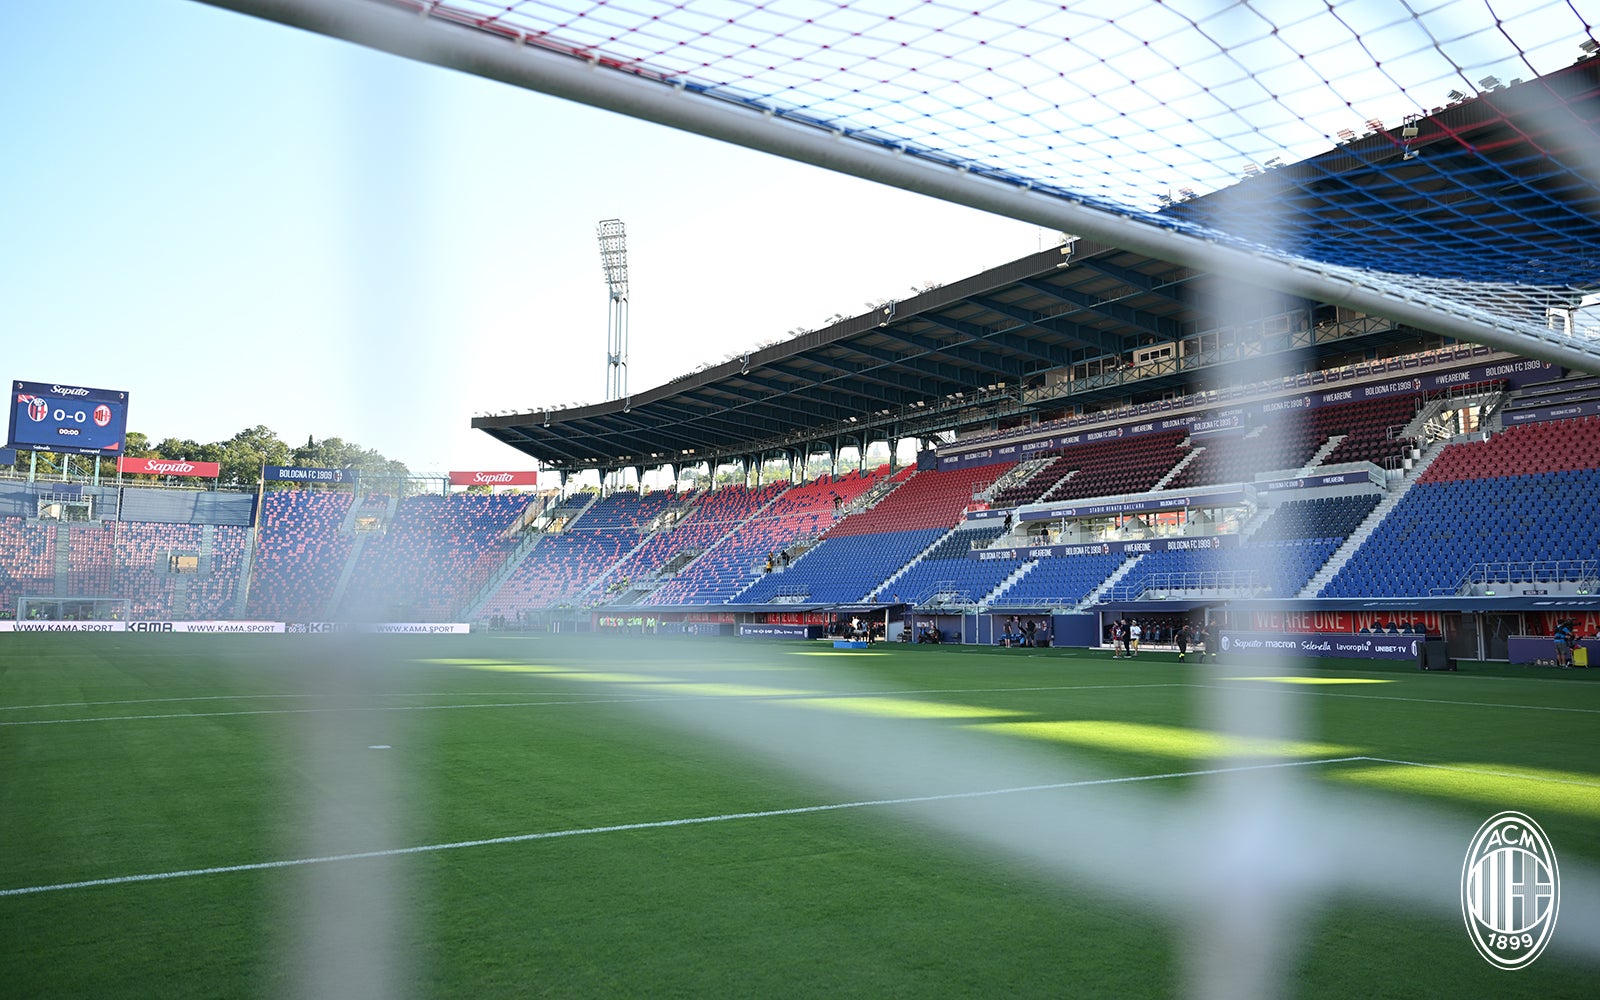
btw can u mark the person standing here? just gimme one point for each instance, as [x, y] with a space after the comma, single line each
[1182, 639]
[1135, 631]
[1116, 640]
[1566, 637]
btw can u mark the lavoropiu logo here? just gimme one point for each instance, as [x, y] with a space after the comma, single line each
[1510, 890]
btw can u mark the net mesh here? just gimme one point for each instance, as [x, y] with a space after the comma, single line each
[1456, 141]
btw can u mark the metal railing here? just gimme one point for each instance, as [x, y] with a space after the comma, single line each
[1579, 576]
[1211, 583]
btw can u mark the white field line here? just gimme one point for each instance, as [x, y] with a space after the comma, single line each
[1486, 773]
[662, 824]
[540, 704]
[258, 697]
[1310, 691]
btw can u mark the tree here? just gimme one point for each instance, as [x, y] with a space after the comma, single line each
[336, 453]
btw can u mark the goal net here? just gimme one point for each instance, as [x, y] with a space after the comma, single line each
[1437, 164]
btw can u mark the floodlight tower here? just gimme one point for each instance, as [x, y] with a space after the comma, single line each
[614, 262]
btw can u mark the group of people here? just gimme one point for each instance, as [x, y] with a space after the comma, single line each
[775, 561]
[1030, 633]
[856, 627]
[1127, 634]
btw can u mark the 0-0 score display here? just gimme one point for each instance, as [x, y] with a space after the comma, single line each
[70, 419]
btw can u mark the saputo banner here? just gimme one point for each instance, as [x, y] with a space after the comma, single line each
[168, 467]
[502, 478]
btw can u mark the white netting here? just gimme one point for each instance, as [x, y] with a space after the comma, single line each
[1446, 154]
[1126, 100]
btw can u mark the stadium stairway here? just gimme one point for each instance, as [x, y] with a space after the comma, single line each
[871, 498]
[727, 537]
[347, 572]
[474, 605]
[1116, 576]
[1012, 579]
[887, 586]
[180, 597]
[1262, 515]
[610, 571]
[63, 560]
[247, 561]
[1328, 446]
[1422, 427]
[1188, 456]
[1357, 538]
[1024, 471]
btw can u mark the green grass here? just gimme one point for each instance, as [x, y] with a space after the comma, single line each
[257, 749]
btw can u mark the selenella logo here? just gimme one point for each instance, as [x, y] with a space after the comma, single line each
[1510, 890]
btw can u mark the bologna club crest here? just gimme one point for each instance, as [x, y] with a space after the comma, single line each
[38, 409]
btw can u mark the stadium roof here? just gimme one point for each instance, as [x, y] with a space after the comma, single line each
[958, 354]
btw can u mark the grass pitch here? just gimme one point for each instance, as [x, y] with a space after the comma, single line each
[486, 816]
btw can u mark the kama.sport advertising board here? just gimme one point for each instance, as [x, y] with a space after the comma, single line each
[67, 419]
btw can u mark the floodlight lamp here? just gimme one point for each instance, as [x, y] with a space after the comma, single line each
[1490, 83]
[1456, 95]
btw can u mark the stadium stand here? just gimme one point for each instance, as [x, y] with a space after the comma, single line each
[711, 515]
[1117, 467]
[299, 555]
[1291, 439]
[1528, 494]
[1058, 583]
[1277, 560]
[928, 499]
[947, 572]
[27, 559]
[436, 555]
[566, 563]
[798, 515]
[842, 569]
[213, 592]
[92, 561]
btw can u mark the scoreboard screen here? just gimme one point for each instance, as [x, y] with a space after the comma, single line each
[68, 419]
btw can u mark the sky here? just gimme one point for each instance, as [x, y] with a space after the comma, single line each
[240, 223]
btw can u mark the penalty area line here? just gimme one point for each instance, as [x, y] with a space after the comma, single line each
[660, 825]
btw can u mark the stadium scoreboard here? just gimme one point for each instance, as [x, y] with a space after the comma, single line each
[69, 419]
